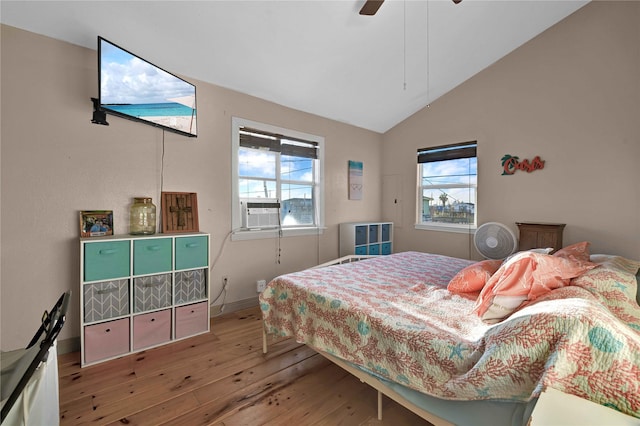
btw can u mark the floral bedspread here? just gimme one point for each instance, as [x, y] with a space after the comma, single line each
[394, 316]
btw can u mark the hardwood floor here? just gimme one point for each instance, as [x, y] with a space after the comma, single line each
[221, 378]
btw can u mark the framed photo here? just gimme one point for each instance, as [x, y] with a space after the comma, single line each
[179, 212]
[96, 223]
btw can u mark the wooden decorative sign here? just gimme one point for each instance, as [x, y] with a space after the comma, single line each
[179, 212]
[510, 164]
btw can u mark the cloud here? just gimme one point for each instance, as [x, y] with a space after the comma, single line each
[127, 79]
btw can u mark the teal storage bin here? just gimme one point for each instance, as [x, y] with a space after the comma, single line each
[192, 252]
[386, 248]
[151, 256]
[106, 260]
[361, 250]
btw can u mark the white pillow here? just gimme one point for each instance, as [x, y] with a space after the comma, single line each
[535, 250]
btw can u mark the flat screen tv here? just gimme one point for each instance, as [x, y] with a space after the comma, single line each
[133, 88]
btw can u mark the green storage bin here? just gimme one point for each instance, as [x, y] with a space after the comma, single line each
[192, 252]
[106, 260]
[151, 256]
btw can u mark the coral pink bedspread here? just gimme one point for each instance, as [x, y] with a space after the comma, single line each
[394, 316]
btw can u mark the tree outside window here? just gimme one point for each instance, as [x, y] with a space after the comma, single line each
[448, 185]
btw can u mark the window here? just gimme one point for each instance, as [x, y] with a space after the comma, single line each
[447, 192]
[274, 165]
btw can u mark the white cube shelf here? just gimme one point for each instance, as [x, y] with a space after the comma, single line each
[138, 292]
[366, 238]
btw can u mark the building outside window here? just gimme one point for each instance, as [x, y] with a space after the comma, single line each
[447, 187]
[275, 165]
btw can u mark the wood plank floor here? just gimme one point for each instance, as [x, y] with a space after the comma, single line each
[221, 378]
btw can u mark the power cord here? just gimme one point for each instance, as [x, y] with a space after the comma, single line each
[279, 251]
[223, 291]
[225, 282]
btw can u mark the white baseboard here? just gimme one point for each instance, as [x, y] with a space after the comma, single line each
[68, 345]
[238, 305]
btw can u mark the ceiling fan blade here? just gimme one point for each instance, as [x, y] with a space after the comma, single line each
[371, 7]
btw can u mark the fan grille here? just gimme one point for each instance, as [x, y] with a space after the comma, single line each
[494, 240]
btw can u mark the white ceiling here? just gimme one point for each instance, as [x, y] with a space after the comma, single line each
[321, 57]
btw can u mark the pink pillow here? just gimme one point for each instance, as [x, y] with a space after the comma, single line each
[525, 277]
[473, 277]
[578, 252]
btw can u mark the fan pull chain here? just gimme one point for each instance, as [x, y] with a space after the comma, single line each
[428, 60]
[404, 45]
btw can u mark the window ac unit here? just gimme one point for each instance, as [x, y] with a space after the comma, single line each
[260, 214]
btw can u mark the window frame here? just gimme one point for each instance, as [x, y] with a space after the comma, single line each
[238, 233]
[451, 153]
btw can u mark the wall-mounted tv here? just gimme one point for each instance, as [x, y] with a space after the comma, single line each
[133, 88]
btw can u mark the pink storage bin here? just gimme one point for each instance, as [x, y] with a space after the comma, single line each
[106, 340]
[191, 319]
[151, 329]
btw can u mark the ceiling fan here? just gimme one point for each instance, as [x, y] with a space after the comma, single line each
[371, 6]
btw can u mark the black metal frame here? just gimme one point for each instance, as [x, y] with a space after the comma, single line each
[52, 323]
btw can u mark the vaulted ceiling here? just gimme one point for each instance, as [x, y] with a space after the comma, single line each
[320, 57]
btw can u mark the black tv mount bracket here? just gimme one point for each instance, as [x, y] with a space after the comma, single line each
[99, 116]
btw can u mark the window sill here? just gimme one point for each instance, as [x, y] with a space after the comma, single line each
[459, 229]
[259, 234]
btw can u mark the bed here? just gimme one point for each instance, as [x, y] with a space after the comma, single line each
[392, 322]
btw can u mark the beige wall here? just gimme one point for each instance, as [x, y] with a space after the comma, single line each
[571, 96]
[55, 163]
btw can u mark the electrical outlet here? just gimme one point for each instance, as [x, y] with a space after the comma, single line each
[261, 285]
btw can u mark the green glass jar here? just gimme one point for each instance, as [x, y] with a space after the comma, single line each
[142, 217]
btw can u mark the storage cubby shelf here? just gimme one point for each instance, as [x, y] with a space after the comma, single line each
[366, 238]
[138, 292]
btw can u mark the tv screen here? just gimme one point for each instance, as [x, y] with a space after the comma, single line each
[133, 88]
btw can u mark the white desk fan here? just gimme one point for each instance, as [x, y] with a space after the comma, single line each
[494, 240]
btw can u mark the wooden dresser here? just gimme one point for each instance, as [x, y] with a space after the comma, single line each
[540, 235]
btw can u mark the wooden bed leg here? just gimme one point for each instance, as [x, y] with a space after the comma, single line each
[379, 405]
[264, 341]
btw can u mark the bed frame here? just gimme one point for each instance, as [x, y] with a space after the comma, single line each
[363, 376]
[384, 390]
[377, 385]
[509, 411]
